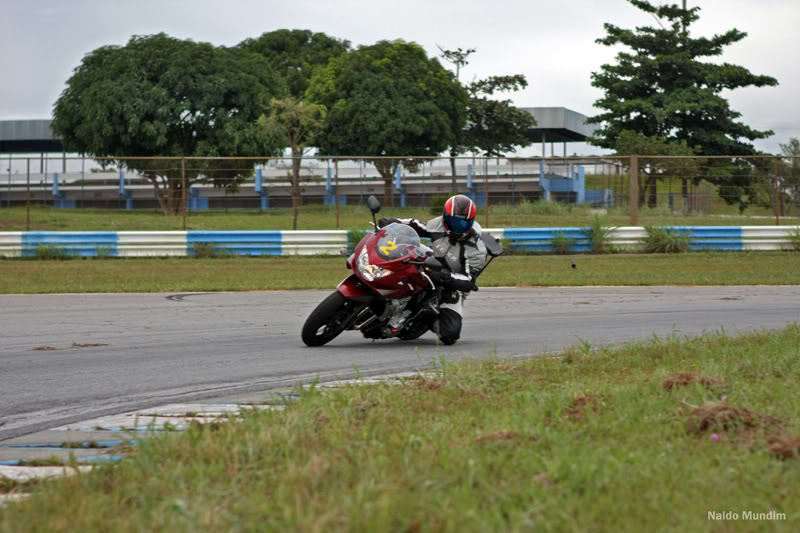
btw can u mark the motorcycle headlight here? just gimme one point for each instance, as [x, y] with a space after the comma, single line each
[367, 271]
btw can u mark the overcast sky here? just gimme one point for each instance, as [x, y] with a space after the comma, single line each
[550, 42]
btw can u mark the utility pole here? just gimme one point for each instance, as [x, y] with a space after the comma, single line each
[683, 24]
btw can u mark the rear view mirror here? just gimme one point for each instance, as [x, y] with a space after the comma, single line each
[373, 204]
[493, 246]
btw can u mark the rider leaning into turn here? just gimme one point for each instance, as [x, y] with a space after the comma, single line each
[455, 239]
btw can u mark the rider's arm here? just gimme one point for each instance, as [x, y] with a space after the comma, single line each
[415, 224]
[474, 256]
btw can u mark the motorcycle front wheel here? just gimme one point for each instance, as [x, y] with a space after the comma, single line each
[329, 319]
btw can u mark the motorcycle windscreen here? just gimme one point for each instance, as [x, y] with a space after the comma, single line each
[399, 241]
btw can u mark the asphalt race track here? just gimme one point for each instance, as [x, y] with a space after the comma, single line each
[69, 357]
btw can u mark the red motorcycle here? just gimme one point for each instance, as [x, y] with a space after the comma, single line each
[392, 290]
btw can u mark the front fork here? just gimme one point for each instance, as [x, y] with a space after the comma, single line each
[353, 289]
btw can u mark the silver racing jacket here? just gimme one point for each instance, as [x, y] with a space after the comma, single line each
[464, 258]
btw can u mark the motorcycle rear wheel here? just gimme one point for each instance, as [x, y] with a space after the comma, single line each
[329, 319]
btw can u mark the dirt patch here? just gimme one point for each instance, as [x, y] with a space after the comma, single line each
[424, 383]
[544, 479]
[581, 403]
[785, 447]
[79, 345]
[475, 393]
[722, 417]
[45, 348]
[683, 379]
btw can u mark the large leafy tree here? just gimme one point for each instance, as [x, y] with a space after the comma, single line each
[493, 126]
[388, 99]
[296, 54]
[161, 96]
[662, 86]
[298, 124]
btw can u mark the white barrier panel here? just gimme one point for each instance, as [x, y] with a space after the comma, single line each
[314, 236]
[10, 244]
[150, 237]
[628, 236]
[313, 249]
[152, 250]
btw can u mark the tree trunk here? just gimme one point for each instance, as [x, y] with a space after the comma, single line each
[387, 186]
[685, 196]
[642, 189]
[652, 198]
[296, 199]
[170, 195]
[174, 195]
[453, 171]
[159, 194]
[386, 169]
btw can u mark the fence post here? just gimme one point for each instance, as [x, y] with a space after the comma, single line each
[183, 186]
[28, 199]
[486, 188]
[777, 193]
[634, 190]
[83, 179]
[336, 172]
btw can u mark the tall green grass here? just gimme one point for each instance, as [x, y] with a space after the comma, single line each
[645, 437]
[524, 214]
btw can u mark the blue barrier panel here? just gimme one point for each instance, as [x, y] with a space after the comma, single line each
[78, 243]
[697, 245]
[712, 237]
[238, 242]
[542, 234]
[541, 239]
[711, 232]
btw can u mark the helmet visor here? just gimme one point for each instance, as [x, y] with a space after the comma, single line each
[458, 225]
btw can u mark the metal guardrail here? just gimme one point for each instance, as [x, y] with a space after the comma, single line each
[332, 242]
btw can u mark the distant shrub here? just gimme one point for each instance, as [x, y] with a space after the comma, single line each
[599, 236]
[662, 240]
[561, 243]
[354, 237]
[793, 239]
[48, 252]
[104, 252]
[209, 250]
[436, 203]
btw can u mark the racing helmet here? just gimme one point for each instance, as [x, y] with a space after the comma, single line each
[458, 215]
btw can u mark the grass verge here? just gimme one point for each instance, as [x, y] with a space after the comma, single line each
[638, 438]
[318, 272]
[313, 217]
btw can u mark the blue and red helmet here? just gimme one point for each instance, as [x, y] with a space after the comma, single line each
[458, 215]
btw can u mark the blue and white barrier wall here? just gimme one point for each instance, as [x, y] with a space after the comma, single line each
[171, 243]
[332, 242]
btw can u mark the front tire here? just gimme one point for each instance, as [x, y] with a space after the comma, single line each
[328, 320]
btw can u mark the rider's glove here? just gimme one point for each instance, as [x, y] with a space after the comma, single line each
[385, 221]
[446, 279]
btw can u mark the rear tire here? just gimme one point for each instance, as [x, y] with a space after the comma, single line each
[328, 320]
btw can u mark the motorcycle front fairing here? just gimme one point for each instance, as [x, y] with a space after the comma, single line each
[381, 261]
